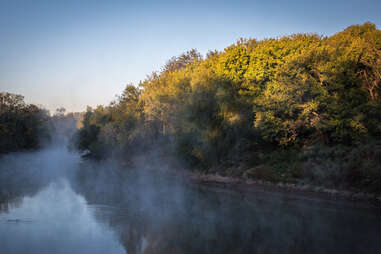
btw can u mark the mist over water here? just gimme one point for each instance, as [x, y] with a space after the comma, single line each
[52, 201]
[56, 220]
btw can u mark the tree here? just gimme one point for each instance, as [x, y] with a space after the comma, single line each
[22, 126]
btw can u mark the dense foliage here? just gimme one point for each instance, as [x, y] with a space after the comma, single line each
[280, 95]
[22, 126]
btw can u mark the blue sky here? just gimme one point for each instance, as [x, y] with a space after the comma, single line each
[74, 53]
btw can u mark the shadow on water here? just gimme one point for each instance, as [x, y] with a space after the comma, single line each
[52, 202]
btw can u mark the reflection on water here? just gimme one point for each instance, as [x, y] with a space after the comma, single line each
[56, 220]
[101, 209]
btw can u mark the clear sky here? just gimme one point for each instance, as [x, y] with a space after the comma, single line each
[74, 53]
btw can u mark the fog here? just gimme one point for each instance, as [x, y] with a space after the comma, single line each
[54, 201]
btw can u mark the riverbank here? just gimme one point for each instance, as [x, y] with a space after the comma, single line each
[245, 183]
[306, 190]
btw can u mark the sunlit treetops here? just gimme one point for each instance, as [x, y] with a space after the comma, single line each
[295, 90]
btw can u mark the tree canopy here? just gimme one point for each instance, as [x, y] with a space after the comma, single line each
[22, 126]
[279, 93]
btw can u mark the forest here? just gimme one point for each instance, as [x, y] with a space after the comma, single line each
[302, 109]
[22, 126]
[28, 127]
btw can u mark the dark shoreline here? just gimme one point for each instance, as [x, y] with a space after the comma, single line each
[293, 190]
[249, 186]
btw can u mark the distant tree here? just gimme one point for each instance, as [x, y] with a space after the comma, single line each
[22, 126]
[180, 62]
[60, 112]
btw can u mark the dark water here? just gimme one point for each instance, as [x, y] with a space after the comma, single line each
[51, 202]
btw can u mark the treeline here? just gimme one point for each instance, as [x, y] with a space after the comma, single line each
[28, 127]
[22, 126]
[268, 109]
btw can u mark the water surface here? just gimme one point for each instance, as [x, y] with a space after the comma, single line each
[52, 202]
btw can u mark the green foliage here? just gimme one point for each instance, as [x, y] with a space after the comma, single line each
[324, 94]
[343, 166]
[115, 128]
[22, 126]
[281, 93]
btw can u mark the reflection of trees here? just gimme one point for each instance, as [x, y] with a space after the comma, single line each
[12, 192]
[149, 217]
[154, 213]
[14, 186]
[23, 174]
[7, 204]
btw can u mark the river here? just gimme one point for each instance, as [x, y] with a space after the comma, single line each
[54, 202]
